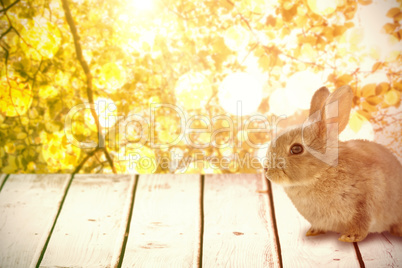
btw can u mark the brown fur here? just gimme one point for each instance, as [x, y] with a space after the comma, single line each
[362, 193]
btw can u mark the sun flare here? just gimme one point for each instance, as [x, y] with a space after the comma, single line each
[141, 5]
[240, 89]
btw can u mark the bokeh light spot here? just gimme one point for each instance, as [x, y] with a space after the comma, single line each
[322, 8]
[301, 87]
[193, 90]
[279, 103]
[358, 128]
[240, 87]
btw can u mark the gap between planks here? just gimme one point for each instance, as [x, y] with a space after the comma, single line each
[92, 223]
[28, 207]
[301, 251]
[3, 179]
[127, 232]
[377, 250]
[165, 225]
[238, 227]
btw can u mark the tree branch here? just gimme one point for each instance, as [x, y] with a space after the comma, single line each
[78, 168]
[7, 8]
[87, 71]
[6, 32]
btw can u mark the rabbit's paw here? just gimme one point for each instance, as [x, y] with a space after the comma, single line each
[352, 237]
[396, 229]
[314, 231]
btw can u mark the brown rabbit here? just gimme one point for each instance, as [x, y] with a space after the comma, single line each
[352, 187]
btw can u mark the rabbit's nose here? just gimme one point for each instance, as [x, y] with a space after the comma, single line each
[265, 170]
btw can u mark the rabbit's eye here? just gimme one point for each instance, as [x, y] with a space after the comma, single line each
[296, 149]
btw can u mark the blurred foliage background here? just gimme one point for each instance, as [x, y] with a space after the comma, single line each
[176, 73]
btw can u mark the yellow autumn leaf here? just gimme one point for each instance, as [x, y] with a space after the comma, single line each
[15, 96]
[264, 61]
[154, 99]
[308, 52]
[368, 90]
[52, 127]
[236, 38]
[59, 154]
[369, 107]
[89, 121]
[260, 6]
[226, 151]
[40, 38]
[112, 76]
[344, 79]
[354, 36]
[107, 112]
[392, 97]
[393, 12]
[166, 129]
[374, 100]
[204, 138]
[322, 8]
[9, 148]
[24, 120]
[356, 121]
[21, 136]
[53, 149]
[11, 166]
[31, 166]
[193, 90]
[47, 92]
[382, 88]
[141, 160]
[77, 128]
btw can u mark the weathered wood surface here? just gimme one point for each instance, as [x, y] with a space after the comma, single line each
[166, 222]
[166, 227]
[238, 227]
[381, 250]
[301, 251]
[90, 229]
[28, 208]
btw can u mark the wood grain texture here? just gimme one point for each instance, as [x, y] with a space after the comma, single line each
[381, 250]
[90, 228]
[165, 225]
[301, 251]
[28, 208]
[238, 227]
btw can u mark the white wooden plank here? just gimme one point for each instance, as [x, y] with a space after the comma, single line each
[381, 250]
[301, 251]
[238, 227]
[166, 222]
[28, 208]
[90, 229]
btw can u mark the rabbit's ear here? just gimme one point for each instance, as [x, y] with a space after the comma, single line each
[337, 109]
[318, 100]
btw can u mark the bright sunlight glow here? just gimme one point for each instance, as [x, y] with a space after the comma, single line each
[106, 111]
[243, 87]
[366, 132]
[141, 5]
[301, 87]
[279, 103]
[193, 90]
[322, 8]
[371, 19]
